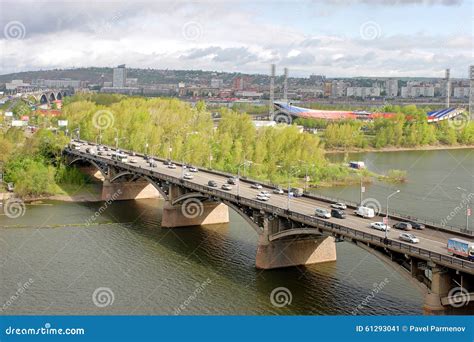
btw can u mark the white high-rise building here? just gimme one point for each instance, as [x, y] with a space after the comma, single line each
[391, 88]
[119, 77]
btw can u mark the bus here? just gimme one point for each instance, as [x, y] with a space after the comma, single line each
[121, 157]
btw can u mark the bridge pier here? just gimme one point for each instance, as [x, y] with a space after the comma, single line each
[292, 251]
[118, 191]
[194, 213]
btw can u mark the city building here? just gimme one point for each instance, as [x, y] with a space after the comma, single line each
[217, 83]
[16, 85]
[338, 88]
[417, 89]
[363, 91]
[391, 88]
[461, 92]
[60, 83]
[119, 79]
[122, 90]
[131, 82]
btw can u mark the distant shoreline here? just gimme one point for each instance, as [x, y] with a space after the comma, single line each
[401, 149]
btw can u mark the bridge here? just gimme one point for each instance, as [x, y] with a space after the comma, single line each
[44, 96]
[289, 233]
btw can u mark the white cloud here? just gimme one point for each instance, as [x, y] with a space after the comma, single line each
[225, 37]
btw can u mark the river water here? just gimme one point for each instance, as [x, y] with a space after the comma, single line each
[51, 262]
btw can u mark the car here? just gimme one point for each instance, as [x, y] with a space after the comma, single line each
[226, 187]
[171, 166]
[278, 191]
[106, 148]
[133, 160]
[266, 193]
[10, 187]
[339, 205]
[146, 157]
[365, 212]
[417, 225]
[193, 169]
[167, 162]
[133, 154]
[321, 212]
[409, 238]
[380, 226]
[152, 163]
[296, 192]
[256, 186]
[91, 150]
[187, 175]
[100, 148]
[402, 226]
[338, 213]
[212, 183]
[262, 197]
[231, 180]
[100, 153]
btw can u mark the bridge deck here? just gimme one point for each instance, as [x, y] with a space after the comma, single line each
[432, 244]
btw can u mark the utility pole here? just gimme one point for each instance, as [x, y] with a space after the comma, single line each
[448, 87]
[285, 85]
[272, 91]
[471, 92]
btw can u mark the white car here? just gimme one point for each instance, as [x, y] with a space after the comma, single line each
[171, 166]
[265, 193]
[193, 169]
[187, 175]
[256, 186]
[409, 238]
[226, 186]
[380, 226]
[324, 213]
[132, 160]
[339, 205]
[262, 197]
[278, 191]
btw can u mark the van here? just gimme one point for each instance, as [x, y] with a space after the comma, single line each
[365, 212]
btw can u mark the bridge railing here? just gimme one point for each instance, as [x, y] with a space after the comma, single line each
[393, 214]
[308, 220]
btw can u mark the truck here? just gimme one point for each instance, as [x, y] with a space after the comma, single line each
[461, 248]
[365, 212]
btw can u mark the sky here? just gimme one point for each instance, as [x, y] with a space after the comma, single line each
[339, 38]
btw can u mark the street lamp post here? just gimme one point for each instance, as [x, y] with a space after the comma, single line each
[468, 209]
[386, 214]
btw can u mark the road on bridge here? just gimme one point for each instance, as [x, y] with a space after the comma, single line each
[430, 239]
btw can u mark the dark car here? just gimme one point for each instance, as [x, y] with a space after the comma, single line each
[417, 225]
[231, 180]
[167, 162]
[212, 183]
[402, 225]
[338, 213]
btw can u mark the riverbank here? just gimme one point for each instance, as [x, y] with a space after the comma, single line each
[86, 193]
[400, 149]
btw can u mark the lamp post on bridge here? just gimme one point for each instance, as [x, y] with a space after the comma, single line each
[386, 214]
[290, 174]
[468, 209]
[246, 162]
[183, 162]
